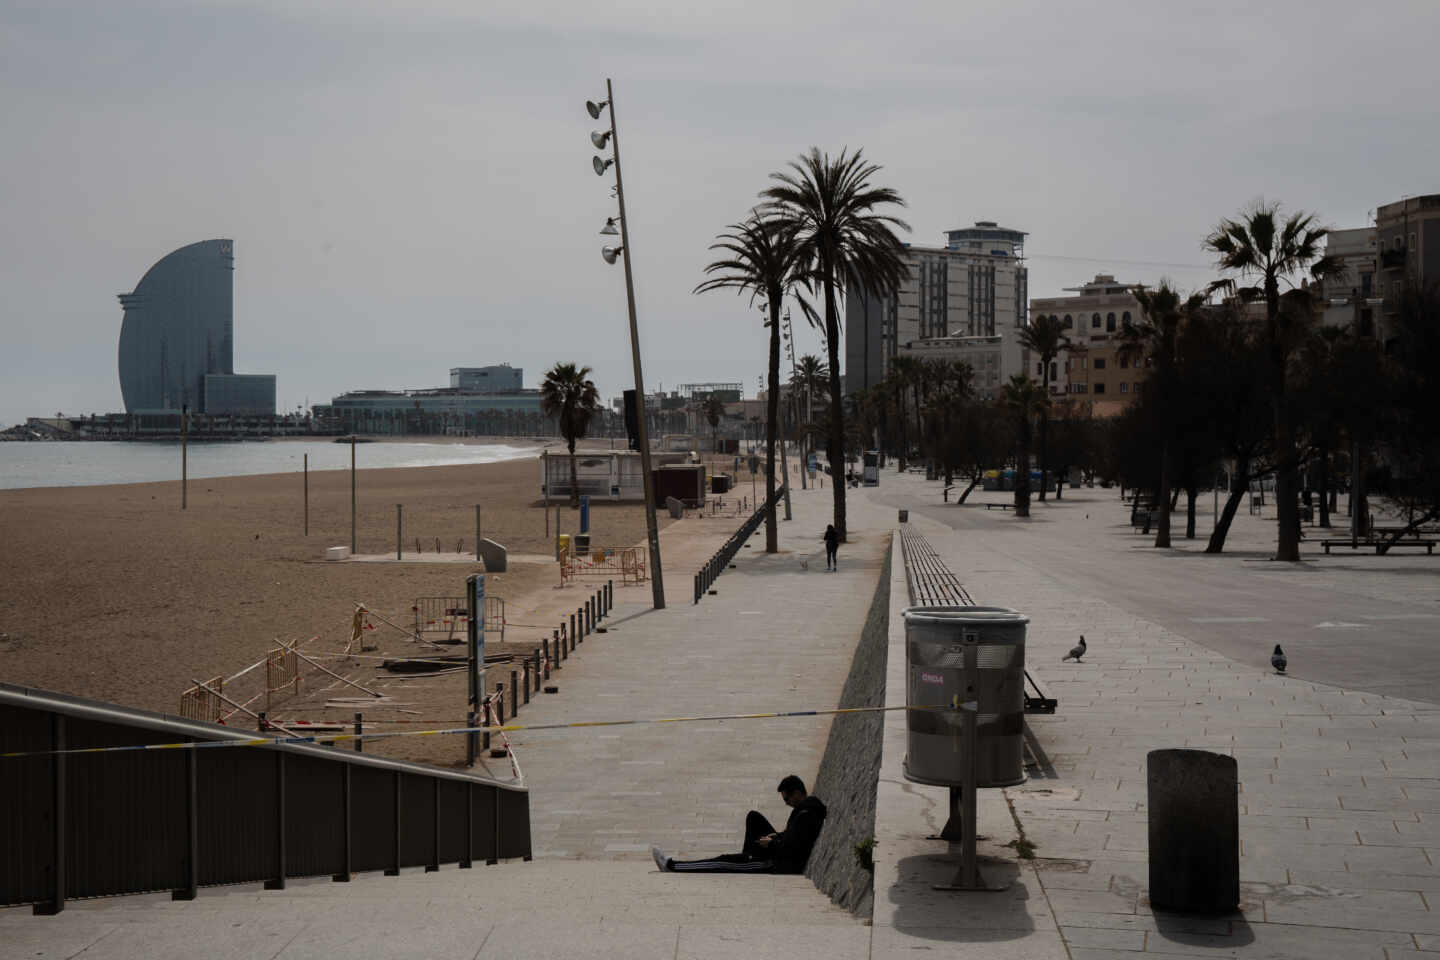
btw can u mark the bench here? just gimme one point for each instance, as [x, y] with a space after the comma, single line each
[998, 506]
[1429, 545]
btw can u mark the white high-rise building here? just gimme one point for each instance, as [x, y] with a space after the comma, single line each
[963, 301]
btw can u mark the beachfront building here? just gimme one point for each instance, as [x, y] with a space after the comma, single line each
[497, 378]
[964, 301]
[177, 339]
[1093, 318]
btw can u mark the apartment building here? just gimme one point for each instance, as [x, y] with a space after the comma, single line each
[963, 301]
[1093, 319]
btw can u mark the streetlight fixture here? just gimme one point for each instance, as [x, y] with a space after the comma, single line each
[609, 229]
[600, 139]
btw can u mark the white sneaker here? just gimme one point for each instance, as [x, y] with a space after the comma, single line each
[661, 861]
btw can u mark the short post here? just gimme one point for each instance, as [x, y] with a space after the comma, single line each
[484, 722]
[580, 625]
[515, 695]
[398, 526]
[570, 642]
[477, 531]
[548, 658]
[609, 596]
[537, 669]
[1194, 807]
[525, 665]
[499, 703]
[307, 494]
[359, 732]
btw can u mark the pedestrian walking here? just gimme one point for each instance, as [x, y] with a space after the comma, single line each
[832, 544]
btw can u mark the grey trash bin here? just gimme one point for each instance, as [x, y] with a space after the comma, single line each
[936, 639]
[904, 516]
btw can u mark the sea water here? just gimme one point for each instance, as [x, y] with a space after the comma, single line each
[86, 463]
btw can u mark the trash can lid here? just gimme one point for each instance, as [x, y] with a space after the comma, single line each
[963, 615]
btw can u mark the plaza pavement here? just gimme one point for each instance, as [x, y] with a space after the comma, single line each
[1339, 802]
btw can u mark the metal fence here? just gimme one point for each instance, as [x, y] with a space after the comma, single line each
[713, 567]
[137, 821]
[451, 615]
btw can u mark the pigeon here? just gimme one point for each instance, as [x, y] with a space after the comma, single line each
[1076, 652]
[1277, 659]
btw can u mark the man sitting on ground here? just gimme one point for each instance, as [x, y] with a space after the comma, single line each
[765, 851]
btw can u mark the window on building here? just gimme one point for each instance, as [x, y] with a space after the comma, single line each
[1095, 322]
[1138, 386]
[1125, 319]
[1084, 363]
[1099, 388]
[1078, 387]
[1069, 322]
[1124, 387]
[1099, 363]
[1124, 362]
[1040, 369]
[1052, 371]
[1109, 323]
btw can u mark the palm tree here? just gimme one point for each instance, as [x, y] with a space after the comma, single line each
[763, 259]
[832, 205]
[1261, 245]
[1156, 338]
[1045, 337]
[811, 377]
[1024, 401]
[570, 398]
[904, 378]
[714, 409]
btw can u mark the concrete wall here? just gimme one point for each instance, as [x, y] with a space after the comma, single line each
[850, 769]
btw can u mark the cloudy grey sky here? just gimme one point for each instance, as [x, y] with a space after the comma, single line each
[409, 188]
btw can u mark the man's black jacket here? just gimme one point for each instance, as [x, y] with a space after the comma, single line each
[791, 848]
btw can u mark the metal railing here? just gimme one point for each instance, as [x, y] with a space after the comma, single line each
[713, 567]
[137, 821]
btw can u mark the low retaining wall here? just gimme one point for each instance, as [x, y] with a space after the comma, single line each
[850, 769]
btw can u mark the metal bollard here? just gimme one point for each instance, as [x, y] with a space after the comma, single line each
[499, 703]
[564, 653]
[579, 625]
[549, 659]
[514, 696]
[359, 731]
[609, 596]
[484, 722]
[525, 666]
[570, 643]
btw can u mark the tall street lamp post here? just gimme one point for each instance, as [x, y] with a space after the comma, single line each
[610, 254]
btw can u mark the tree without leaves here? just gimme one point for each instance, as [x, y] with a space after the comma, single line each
[845, 241]
[568, 396]
[765, 261]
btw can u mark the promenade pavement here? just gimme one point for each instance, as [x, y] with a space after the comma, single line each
[775, 637]
[1339, 802]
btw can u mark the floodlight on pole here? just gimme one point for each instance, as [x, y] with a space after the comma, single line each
[600, 138]
[652, 530]
[609, 229]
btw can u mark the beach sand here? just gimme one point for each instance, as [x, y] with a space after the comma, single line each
[115, 593]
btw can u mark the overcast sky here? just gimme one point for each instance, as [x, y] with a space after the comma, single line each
[408, 185]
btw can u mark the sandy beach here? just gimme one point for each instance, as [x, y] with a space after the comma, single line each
[116, 593]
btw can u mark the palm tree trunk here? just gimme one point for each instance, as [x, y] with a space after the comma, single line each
[772, 419]
[1045, 429]
[1022, 469]
[574, 478]
[836, 453]
[1239, 484]
[1190, 494]
[1287, 510]
[1162, 499]
[1324, 488]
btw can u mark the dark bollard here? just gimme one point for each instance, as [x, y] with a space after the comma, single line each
[525, 668]
[359, 731]
[1194, 799]
[545, 645]
[609, 596]
[564, 653]
[261, 723]
[515, 696]
[579, 627]
[499, 703]
[484, 722]
[537, 670]
[570, 643]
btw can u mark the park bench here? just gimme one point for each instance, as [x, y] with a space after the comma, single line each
[1429, 545]
[998, 506]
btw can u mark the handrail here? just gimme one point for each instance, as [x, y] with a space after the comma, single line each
[181, 819]
[713, 567]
